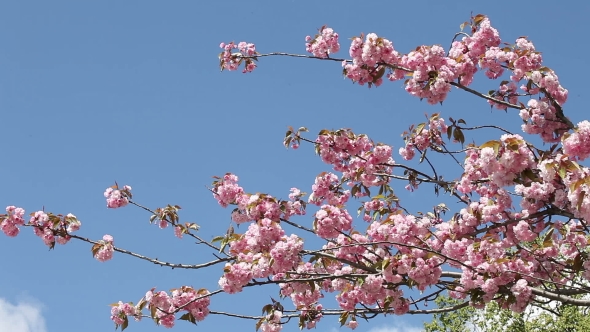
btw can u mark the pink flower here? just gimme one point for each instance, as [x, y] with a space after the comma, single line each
[523, 295]
[586, 272]
[9, 223]
[103, 250]
[367, 57]
[578, 144]
[324, 43]
[523, 233]
[178, 231]
[353, 324]
[117, 198]
[295, 193]
[231, 61]
[120, 312]
[73, 223]
[226, 190]
[331, 220]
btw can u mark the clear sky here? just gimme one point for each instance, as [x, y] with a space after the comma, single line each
[93, 92]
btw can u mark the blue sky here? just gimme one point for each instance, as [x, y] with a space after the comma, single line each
[130, 91]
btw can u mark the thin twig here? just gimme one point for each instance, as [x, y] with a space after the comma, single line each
[153, 260]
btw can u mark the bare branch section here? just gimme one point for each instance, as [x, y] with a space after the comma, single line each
[154, 260]
[337, 312]
[561, 298]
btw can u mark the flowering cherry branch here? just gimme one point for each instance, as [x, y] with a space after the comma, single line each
[519, 236]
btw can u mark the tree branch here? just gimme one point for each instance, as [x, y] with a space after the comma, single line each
[156, 261]
[560, 297]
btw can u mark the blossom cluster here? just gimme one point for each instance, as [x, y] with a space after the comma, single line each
[232, 61]
[423, 137]
[9, 223]
[357, 157]
[272, 322]
[577, 144]
[252, 207]
[116, 197]
[103, 250]
[50, 228]
[323, 44]
[163, 306]
[264, 249]
[370, 58]
[541, 117]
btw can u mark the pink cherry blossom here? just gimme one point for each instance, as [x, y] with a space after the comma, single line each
[9, 223]
[117, 198]
[578, 144]
[324, 43]
[231, 61]
[104, 249]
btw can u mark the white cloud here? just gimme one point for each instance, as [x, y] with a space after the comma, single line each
[25, 316]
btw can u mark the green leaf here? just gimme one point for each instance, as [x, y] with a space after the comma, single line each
[385, 264]
[573, 166]
[458, 136]
[419, 128]
[387, 302]
[529, 174]
[223, 245]
[343, 318]
[217, 239]
[354, 190]
[562, 172]
[301, 322]
[153, 311]
[267, 309]
[189, 318]
[478, 18]
[379, 73]
[95, 248]
[367, 191]
[142, 303]
[125, 323]
[577, 184]
[547, 239]
[492, 144]
[287, 141]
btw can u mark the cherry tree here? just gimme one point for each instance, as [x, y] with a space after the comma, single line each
[515, 233]
[539, 317]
